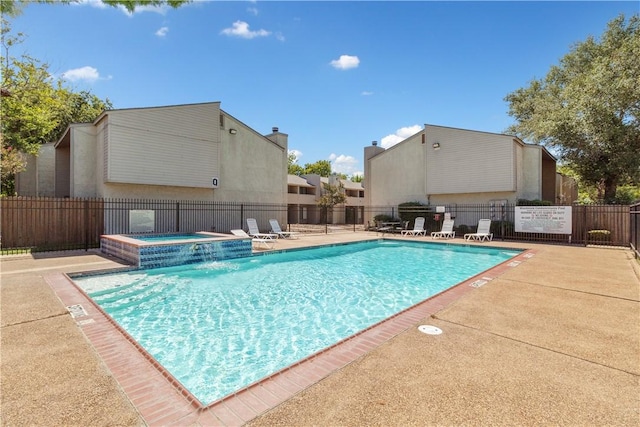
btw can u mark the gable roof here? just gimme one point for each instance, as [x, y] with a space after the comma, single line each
[298, 181]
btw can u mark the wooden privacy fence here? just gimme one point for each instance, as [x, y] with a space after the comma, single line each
[50, 223]
[40, 224]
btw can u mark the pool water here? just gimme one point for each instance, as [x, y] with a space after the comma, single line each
[220, 326]
[170, 237]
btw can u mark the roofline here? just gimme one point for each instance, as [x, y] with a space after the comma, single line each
[106, 112]
[478, 131]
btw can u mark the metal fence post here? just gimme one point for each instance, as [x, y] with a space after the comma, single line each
[177, 217]
[86, 224]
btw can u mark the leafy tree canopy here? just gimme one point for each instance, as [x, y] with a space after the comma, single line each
[333, 195]
[14, 7]
[294, 168]
[35, 108]
[321, 167]
[587, 108]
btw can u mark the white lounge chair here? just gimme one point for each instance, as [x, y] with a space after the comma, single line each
[483, 233]
[267, 243]
[446, 232]
[254, 231]
[275, 228]
[418, 228]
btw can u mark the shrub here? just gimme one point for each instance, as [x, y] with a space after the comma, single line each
[497, 228]
[599, 235]
[462, 229]
[525, 202]
[383, 218]
[409, 211]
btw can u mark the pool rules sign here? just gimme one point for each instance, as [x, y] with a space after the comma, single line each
[543, 219]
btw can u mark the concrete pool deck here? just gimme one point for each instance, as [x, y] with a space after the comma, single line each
[553, 340]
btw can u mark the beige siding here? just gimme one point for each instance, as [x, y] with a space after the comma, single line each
[469, 162]
[532, 169]
[38, 180]
[46, 170]
[252, 168]
[173, 146]
[62, 171]
[27, 180]
[397, 174]
[138, 191]
[83, 162]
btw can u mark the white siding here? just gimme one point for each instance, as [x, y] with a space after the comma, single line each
[469, 161]
[173, 146]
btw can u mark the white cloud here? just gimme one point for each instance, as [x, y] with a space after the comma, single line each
[345, 62]
[366, 93]
[253, 11]
[161, 9]
[93, 3]
[347, 165]
[297, 153]
[400, 135]
[86, 73]
[241, 29]
[162, 32]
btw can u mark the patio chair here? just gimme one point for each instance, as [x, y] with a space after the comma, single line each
[418, 228]
[267, 243]
[254, 231]
[381, 227]
[483, 233]
[275, 228]
[446, 232]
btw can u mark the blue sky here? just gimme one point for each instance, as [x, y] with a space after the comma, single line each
[332, 75]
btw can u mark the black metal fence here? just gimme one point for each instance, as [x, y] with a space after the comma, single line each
[44, 224]
[634, 220]
[607, 225]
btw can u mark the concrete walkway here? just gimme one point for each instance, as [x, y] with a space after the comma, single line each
[553, 341]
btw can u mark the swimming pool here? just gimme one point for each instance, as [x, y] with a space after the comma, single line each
[220, 326]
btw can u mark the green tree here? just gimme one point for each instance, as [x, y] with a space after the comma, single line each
[588, 193]
[587, 108]
[35, 108]
[14, 7]
[30, 113]
[321, 167]
[293, 167]
[357, 178]
[332, 195]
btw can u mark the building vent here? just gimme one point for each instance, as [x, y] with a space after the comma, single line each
[374, 143]
[274, 129]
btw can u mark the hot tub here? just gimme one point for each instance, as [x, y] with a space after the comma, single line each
[165, 250]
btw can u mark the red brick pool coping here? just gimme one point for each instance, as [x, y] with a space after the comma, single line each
[162, 400]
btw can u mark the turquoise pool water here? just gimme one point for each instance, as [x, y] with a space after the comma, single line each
[220, 326]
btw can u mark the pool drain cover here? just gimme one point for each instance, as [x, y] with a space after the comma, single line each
[76, 310]
[429, 329]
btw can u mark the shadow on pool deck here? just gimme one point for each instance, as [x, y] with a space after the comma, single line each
[555, 340]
